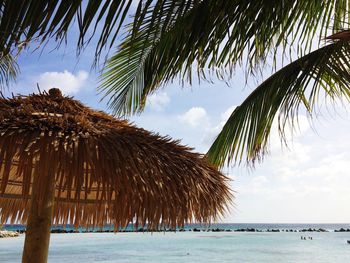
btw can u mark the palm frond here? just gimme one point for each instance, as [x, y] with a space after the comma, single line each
[8, 70]
[169, 37]
[40, 20]
[246, 24]
[24, 21]
[245, 135]
[140, 66]
[122, 77]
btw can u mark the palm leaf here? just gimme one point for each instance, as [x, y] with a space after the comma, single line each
[39, 20]
[8, 70]
[245, 135]
[142, 64]
[247, 24]
[169, 37]
[25, 21]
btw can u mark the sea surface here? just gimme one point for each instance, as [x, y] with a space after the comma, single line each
[196, 247]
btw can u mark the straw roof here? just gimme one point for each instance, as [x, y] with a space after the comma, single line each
[106, 170]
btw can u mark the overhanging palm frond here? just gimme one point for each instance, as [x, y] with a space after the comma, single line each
[245, 135]
[247, 24]
[168, 38]
[24, 21]
[8, 70]
[39, 20]
[122, 78]
[141, 64]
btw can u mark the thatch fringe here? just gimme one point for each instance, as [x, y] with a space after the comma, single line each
[106, 171]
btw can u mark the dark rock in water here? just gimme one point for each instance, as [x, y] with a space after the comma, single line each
[308, 230]
[196, 230]
[218, 230]
[59, 231]
[228, 230]
[246, 230]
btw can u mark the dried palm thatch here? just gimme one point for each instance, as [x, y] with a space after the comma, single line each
[104, 170]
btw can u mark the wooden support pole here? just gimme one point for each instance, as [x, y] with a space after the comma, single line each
[36, 244]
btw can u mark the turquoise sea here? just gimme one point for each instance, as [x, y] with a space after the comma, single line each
[192, 246]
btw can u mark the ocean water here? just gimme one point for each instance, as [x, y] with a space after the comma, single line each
[191, 247]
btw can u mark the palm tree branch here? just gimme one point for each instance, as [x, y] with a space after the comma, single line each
[43, 19]
[139, 67]
[8, 70]
[214, 35]
[261, 25]
[245, 134]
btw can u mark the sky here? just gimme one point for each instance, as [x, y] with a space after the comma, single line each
[304, 183]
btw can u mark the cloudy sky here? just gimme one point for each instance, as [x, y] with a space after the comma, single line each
[308, 182]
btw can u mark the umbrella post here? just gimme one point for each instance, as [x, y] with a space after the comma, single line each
[37, 239]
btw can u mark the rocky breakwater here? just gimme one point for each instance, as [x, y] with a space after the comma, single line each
[342, 230]
[5, 233]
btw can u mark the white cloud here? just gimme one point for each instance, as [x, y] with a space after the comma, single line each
[257, 185]
[66, 81]
[306, 183]
[195, 116]
[158, 101]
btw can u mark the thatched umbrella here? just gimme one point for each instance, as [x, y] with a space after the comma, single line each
[61, 162]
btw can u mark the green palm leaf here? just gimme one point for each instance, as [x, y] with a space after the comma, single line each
[245, 135]
[25, 21]
[170, 37]
[254, 25]
[8, 70]
[141, 65]
[39, 20]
